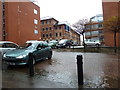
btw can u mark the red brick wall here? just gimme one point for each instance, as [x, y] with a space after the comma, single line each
[119, 17]
[110, 9]
[0, 20]
[19, 24]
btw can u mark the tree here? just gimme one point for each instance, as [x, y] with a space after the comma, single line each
[80, 27]
[113, 25]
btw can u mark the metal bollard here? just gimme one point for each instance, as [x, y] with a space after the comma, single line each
[80, 69]
[31, 66]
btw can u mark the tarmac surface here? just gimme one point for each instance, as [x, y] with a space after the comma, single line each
[100, 70]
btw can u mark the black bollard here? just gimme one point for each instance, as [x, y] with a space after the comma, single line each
[31, 66]
[80, 69]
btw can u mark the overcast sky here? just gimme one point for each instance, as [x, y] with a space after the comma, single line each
[70, 10]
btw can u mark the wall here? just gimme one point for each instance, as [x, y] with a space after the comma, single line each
[19, 23]
[110, 9]
[0, 21]
[57, 28]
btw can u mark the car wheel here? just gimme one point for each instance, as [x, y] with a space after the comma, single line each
[85, 45]
[97, 45]
[50, 56]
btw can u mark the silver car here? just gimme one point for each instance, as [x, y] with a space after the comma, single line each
[92, 43]
[6, 46]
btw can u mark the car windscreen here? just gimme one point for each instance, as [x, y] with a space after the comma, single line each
[53, 42]
[29, 46]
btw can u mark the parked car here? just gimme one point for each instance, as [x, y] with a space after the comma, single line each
[64, 43]
[53, 43]
[92, 43]
[20, 56]
[6, 46]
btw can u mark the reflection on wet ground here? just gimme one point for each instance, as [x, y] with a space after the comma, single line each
[100, 71]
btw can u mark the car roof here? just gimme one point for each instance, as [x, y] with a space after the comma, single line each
[33, 41]
[64, 39]
[36, 42]
[6, 42]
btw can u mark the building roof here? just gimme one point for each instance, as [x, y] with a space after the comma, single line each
[64, 23]
[47, 18]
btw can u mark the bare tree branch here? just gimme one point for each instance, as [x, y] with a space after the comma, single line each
[79, 26]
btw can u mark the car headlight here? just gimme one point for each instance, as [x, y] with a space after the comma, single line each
[22, 56]
[4, 56]
[64, 44]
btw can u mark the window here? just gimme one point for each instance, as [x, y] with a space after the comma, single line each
[87, 33]
[49, 21]
[46, 22]
[94, 26]
[9, 45]
[46, 28]
[56, 34]
[50, 35]
[43, 35]
[35, 21]
[43, 29]
[99, 25]
[55, 28]
[87, 27]
[60, 34]
[95, 32]
[35, 11]
[65, 27]
[36, 31]
[101, 38]
[46, 35]
[101, 31]
[36, 27]
[43, 23]
[50, 28]
[59, 27]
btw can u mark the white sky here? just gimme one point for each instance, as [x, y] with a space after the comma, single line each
[70, 10]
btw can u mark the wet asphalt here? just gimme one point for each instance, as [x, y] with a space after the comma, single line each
[100, 70]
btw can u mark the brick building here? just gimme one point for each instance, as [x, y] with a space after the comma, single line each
[52, 29]
[0, 20]
[111, 8]
[21, 22]
[94, 29]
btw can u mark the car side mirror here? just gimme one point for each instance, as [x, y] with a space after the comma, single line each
[39, 48]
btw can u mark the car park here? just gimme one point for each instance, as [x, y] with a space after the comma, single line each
[91, 43]
[39, 49]
[6, 46]
[64, 43]
[53, 43]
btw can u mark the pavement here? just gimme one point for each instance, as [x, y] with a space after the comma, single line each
[100, 70]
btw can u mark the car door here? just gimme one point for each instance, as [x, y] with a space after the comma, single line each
[39, 52]
[45, 50]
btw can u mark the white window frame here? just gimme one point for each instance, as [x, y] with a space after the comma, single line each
[35, 21]
[35, 11]
[35, 31]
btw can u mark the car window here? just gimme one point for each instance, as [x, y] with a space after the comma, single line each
[29, 46]
[39, 46]
[1, 45]
[44, 45]
[9, 45]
